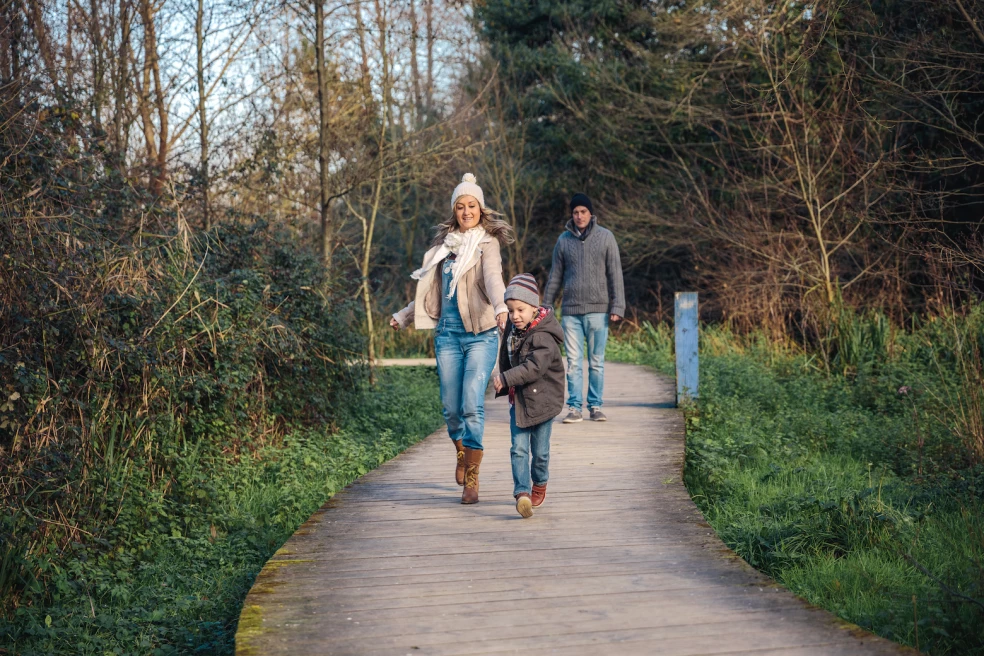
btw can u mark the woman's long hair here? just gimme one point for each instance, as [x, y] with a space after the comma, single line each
[491, 221]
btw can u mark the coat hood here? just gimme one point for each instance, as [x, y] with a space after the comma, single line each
[551, 326]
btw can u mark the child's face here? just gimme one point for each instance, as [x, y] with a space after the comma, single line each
[520, 313]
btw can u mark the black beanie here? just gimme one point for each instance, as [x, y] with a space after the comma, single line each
[578, 200]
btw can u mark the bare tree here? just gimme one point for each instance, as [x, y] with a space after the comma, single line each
[509, 169]
[431, 38]
[151, 99]
[323, 173]
[202, 121]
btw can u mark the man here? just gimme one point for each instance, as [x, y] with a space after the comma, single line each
[587, 266]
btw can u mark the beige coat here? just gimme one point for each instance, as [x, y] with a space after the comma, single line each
[479, 293]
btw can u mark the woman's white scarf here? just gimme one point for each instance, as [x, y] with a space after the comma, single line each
[463, 245]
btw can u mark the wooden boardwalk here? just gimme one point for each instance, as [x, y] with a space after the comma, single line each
[617, 561]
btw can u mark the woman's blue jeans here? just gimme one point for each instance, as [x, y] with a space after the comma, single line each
[464, 363]
[579, 328]
[530, 454]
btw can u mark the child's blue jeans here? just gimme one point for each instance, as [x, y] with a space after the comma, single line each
[464, 362]
[530, 453]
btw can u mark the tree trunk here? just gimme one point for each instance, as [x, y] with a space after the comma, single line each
[35, 20]
[157, 153]
[7, 40]
[370, 228]
[202, 122]
[120, 83]
[319, 45]
[429, 90]
[98, 64]
[360, 28]
[366, 260]
[69, 53]
[414, 68]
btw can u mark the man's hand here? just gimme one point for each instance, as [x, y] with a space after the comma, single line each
[497, 383]
[395, 324]
[614, 317]
[501, 320]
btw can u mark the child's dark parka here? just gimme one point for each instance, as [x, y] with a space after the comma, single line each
[539, 378]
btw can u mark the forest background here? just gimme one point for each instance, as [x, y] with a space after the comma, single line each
[209, 208]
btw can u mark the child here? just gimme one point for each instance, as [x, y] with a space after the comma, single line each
[532, 373]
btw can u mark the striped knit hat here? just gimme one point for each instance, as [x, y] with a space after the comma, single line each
[523, 288]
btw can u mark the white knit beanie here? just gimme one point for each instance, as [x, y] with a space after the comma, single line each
[468, 187]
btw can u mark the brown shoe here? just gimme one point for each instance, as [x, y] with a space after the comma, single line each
[459, 470]
[473, 459]
[539, 494]
[523, 505]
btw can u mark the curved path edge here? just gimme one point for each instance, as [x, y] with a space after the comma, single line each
[618, 560]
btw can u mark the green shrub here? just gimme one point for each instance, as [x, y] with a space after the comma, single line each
[114, 384]
[170, 574]
[858, 490]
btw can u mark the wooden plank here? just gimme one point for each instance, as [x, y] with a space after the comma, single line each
[618, 560]
[685, 332]
[568, 631]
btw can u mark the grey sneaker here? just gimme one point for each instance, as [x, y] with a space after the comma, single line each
[573, 417]
[598, 415]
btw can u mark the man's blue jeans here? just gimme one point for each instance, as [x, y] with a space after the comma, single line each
[593, 328]
[530, 454]
[464, 364]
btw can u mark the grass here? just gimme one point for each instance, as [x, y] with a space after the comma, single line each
[172, 576]
[819, 472]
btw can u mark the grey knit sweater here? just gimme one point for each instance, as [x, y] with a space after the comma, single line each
[588, 267]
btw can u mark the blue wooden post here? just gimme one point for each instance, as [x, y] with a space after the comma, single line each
[685, 325]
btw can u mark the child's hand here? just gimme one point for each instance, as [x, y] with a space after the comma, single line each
[497, 383]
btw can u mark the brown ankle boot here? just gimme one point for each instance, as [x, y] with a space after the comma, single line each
[473, 458]
[539, 494]
[459, 470]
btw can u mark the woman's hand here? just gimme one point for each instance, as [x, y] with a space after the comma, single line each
[395, 324]
[501, 320]
[497, 383]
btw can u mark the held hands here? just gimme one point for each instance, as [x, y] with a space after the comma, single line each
[497, 383]
[395, 324]
[614, 317]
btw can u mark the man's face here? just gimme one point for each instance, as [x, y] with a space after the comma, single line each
[581, 216]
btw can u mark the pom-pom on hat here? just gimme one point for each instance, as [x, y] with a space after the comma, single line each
[523, 288]
[468, 187]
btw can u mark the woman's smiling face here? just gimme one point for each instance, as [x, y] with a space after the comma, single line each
[467, 212]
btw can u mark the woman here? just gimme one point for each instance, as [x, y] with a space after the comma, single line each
[459, 292]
